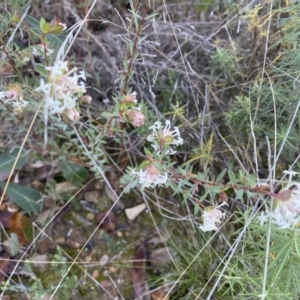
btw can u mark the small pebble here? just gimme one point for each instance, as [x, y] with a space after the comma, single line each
[72, 244]
[60, 240]
[113, 269]
[11, 207]
[104, 260]
[40, 262]
[95, 274]
[99, 185]
[91, 196]
[88, 258]
[105, 284]
[119, 234]
[90, 216]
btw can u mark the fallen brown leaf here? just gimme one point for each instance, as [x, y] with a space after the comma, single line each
[138, 274]
[22, 227]
[4, 263]
[159, 294]
[4, 218]
[108, 222]
[162, 256]
[114, 197]
[45, 245]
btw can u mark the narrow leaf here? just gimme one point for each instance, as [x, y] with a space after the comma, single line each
[14, 244]
[221, 175]
[232, 177]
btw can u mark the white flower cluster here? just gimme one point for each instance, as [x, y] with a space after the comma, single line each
[286, 206]
[211, 216]
[150, 177]
[13, 96]
[62, 90]
[162, 138]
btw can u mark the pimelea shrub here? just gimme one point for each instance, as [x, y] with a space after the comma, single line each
[58, 95]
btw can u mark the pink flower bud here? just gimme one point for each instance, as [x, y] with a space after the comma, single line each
[73, 114]
[13, 92]
[135, 117]
[18, 110]
[86, 99]
[130, 98]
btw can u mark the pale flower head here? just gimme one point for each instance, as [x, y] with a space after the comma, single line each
[72, 114]
[285, 212]
[61, 91]
[135, 117]
[150, 176]
[12, 93]
[86, 99]
[13, 96]
[18, 110]
[163, 137]
[130, 98]
[18, 107]
[211, 216]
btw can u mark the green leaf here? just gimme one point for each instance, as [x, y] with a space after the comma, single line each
[147, 151]
[202, 6]
[14, 244]
[56, 40]
[41, 70]
[7, 160]
[25, 197]
[196, 209]
[107, 114]
[45, 26]
[239, 194]
[221, 175]
[56, 29]
[42, 23]
[214, 189]
[252, 179]
[232, 177]
[74, 173]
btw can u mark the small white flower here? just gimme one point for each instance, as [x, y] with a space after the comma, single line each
[286, 210]
[20, 103]
[3, 95]
[150, 176]
[211, 216]
[291, 173]
[14, 97]
[163, 138]
[38, 50]
[63, 25]
[59, 68]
